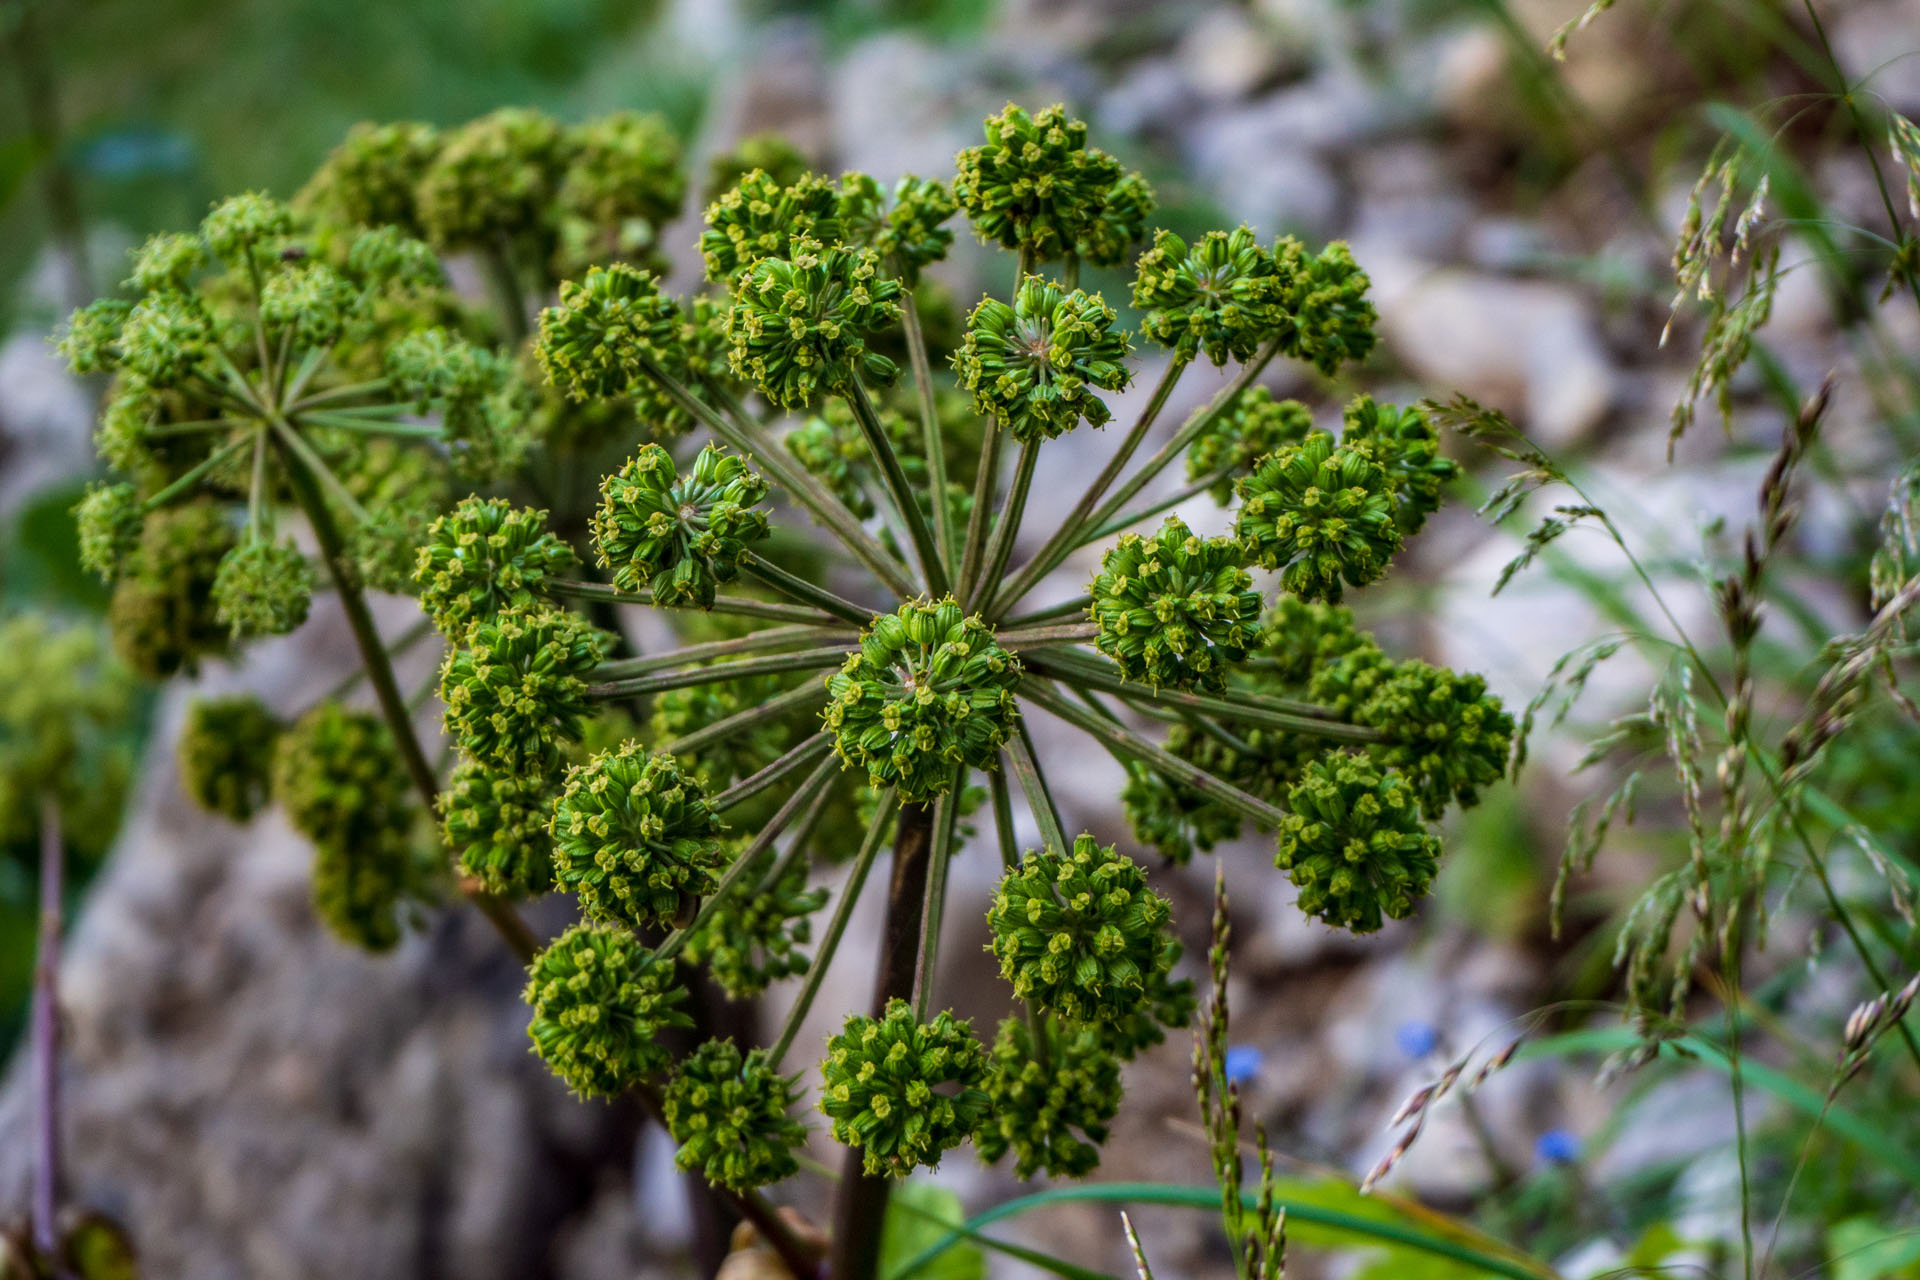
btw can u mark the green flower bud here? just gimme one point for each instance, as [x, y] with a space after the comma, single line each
[600, 1005]
[64, 706]
[121, 440]
[634, 838]
[388, 258]
[905, 229]
[623, 184]
[1321, 514]
[679, 537]
[1233, 445]
[108, 519]
[515, 689]
[1035, 184]
[764, 218]
[1223, 295]
[1347, 683]
[166, 261]
[885, 1088]
[339, 776]
[369, 180]
[1174, 609]
[1300, 638]
[484, 557]
[1035, 364]
[162, 610]
[1050, 1108]
[754, 939]
[165, 339]
[591, 343]
[91, 343]
[1121, 224]
[263, 589]
[1326, 301]
[799, 325]
[1409, 449]
[928, 689]
[492, 179]
[783, 162]
[226, 754]
[245, 226]
[494, 821]
[475, 391]
[311, 300]
[1354, 846]
[730, 1114]
[1445, 733]
[1080, 933]
[1168, 1006]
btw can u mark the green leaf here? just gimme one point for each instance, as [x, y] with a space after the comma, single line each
[918, 1215]
[1863, 1249]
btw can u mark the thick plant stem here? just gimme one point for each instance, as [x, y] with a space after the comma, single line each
[762, 713]
[943, 531]
[721, 672]
[944, 812]
[986, 478]
[393, 705]
[730, 606]
[505, 283]
[772, 640]
[46, 1035]
[861, 1205]
[802, 592]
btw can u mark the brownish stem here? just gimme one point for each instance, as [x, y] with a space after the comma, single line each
[862, 1202]
[46, 1037]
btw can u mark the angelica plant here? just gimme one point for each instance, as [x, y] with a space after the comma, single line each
[837, 691]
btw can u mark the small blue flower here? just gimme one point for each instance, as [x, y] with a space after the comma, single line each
[1417, 1039]
[1557, 1146]
[1243, 1063]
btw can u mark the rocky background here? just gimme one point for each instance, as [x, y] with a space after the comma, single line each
[255, 1100]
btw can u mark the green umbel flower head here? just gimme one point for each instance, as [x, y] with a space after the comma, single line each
[1409, 449]
[1233, 445]
[245, 227]
[476, 392]
[730, 1113]
[492, 179]
[591, 344]
[885, 1088]
[762, 217]
[485, 557]
[1321, 514]
[623, 184]
[263, 589]
[91, 342]
[1174, 609]
[226, 754]
[633, 836]
[1326, 305]
[166, 340]
[678, 537]
[771, 152]
[1079, 933]
[1121, 225]
[696, 359]
[494, 821]
[370, 179]
[755, 938]
[162, 611]
[167, 260]
[62, 699]
[928, 689]
[1353, 844]
[1035, 184]
[339, 776]
[515, 689]
[108, 517]
[600, 1003]
[1299, 638]
[1036, 364]
[1052, 1108]
[905, 228]
[1223, 295]
[799, 325]
[1445, 732]
[1168, 1006]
